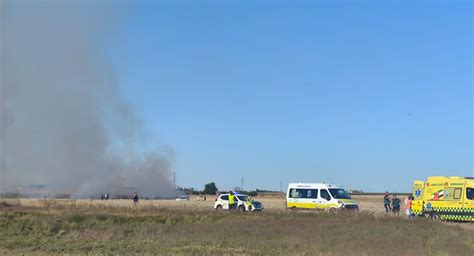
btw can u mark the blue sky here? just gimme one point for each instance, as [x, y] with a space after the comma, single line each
[366, 95]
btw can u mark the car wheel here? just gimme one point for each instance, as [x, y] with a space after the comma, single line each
[219, 208]
[241, 208]
[435, 217]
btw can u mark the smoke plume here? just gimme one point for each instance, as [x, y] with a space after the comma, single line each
[63, 120]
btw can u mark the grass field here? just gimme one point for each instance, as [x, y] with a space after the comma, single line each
[43, 227]
[272, 203]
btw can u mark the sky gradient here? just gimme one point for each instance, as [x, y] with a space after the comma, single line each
[368, 95]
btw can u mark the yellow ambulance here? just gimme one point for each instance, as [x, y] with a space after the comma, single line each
[443, 197]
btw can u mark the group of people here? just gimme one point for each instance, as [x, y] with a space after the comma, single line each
[392, 204]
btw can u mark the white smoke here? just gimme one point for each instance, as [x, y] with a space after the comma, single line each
[64, 122]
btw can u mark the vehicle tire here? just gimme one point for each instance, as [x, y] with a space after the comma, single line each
[435, 217]
[241, 208]
[333, 210]
[219, 208]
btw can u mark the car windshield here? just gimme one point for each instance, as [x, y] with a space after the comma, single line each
[242, 197]
[339, 193]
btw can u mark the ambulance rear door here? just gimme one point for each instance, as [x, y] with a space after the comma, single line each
[417, 203]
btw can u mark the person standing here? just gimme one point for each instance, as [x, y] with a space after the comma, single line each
[231, 201]
[396, 205]
[135, 199]
[249, 203]
[408, 203]
[386, 202]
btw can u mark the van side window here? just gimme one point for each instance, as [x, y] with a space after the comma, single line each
[303, 193]
[311, 193]
[325, 194]
[470, 193]
[457, 193]
[448, 194]
[293, 193]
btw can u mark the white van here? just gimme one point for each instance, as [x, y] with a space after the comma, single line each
[318, 196]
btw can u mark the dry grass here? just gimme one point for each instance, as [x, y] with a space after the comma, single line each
[171, 227]
[367, 203]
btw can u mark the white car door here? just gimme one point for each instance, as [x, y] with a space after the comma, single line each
[225, 202]
[324, 198]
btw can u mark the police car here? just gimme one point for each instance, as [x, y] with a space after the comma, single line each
[222, 203]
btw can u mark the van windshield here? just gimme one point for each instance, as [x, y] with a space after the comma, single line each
[339, 193]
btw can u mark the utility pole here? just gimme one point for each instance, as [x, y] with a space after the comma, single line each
[242, 183]
[281, 186]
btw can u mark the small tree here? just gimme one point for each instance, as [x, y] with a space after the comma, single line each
[210, 188]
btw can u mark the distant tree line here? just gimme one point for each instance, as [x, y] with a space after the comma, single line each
[267, 191]
[211, 189]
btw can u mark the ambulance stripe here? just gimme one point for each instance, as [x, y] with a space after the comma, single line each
[466, 214]
[457, 214]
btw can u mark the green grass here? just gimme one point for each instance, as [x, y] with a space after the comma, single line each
[160, 231]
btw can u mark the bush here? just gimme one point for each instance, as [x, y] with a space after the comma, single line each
[210, 189]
